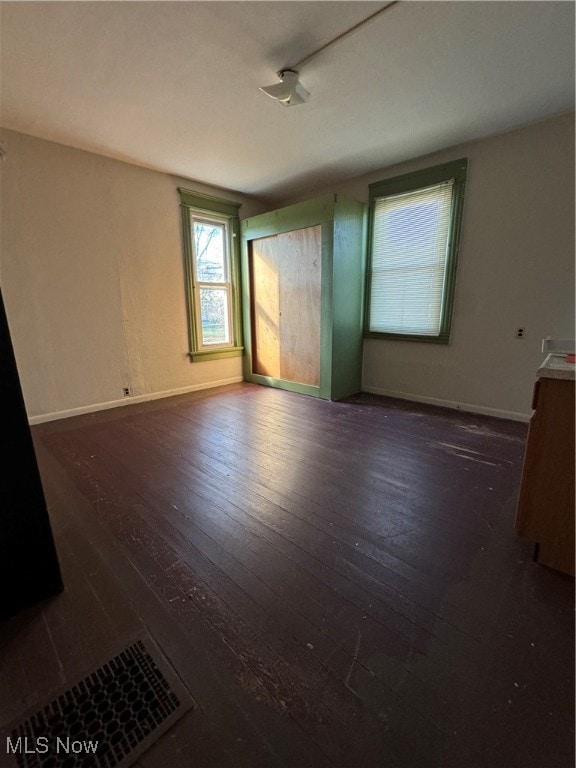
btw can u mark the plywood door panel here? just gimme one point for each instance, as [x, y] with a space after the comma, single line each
[300, 254]
[286, 281]
[265, 292]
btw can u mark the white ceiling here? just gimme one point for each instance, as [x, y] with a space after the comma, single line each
[174, 85]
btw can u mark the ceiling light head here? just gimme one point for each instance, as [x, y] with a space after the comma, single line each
[288, 91]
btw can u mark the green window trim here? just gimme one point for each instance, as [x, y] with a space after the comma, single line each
[216, 354]
[457, 171]
[194, 204]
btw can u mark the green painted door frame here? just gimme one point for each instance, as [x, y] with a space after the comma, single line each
[342, 223]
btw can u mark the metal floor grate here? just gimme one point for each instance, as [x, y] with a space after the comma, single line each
[104, 721]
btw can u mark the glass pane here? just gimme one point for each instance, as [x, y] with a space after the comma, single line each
[214, 315]
[210, 252]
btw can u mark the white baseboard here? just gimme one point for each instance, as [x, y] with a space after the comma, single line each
[129, 401]
[468, 407]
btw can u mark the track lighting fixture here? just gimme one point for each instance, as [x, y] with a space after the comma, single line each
[288, 91]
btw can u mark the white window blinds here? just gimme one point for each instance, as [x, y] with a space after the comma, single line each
[410, 244]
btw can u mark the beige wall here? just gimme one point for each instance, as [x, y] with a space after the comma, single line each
[92, 276]
[516, 269]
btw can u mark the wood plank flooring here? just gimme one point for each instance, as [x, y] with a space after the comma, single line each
[338, 584]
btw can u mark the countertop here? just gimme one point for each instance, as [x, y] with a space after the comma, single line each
[556, 367]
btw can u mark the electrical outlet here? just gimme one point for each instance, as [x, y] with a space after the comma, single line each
[126, 391]
[520, 333]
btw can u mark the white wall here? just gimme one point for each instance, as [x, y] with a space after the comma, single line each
[515, 269]
[92, 276]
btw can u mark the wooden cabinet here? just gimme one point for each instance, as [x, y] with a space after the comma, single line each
[303, 271]
[546, 503]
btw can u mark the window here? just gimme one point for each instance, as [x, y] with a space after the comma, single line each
[414, 227]
[210, 230]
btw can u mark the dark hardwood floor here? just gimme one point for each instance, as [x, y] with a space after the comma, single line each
[337, 583]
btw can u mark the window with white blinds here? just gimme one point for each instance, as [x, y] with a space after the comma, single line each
[413, 241]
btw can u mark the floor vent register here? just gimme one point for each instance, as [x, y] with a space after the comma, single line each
[107, 719]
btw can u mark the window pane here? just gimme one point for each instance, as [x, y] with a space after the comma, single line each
[409, 257]
[210, 251]
[214, 315]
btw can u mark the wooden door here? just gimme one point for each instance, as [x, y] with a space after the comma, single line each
[285, 278]
[29, 570]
